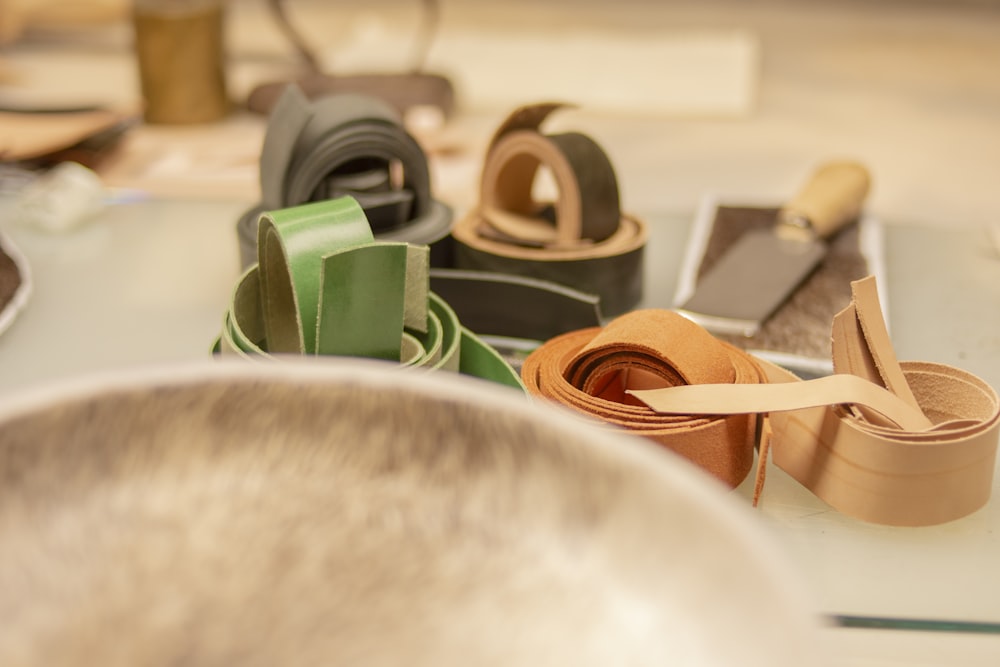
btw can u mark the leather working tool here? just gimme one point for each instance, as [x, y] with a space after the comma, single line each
[348, 144]
[763, 268]
[323, 285]
[797, 335]
[898, 443]
[901, 443]
[581, 240]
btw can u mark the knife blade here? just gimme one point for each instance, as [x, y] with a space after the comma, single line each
[764, 267]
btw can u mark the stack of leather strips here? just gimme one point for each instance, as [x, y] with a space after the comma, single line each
[897, 443]
[323, 285]
[348, 144]
[581, 240]
[355, 145]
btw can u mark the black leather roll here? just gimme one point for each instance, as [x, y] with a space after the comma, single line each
[496, 304]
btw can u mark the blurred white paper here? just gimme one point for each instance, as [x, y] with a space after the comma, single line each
[684, 73]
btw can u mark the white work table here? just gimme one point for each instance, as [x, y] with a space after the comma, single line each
[146, 282]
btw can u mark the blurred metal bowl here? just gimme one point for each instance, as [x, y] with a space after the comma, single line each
[352, 513]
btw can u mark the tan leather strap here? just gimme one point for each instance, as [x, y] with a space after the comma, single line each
[899, 443]
[829, 390]
[581, 240]
[593, 371]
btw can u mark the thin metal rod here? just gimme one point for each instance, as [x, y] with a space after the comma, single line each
[916, 624]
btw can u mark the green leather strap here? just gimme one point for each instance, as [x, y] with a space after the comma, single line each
[324, 285]
[292, 249]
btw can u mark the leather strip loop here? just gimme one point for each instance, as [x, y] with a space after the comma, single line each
[291, 253]
[588, 244]
[587, 208]
[347, 144]
[592, 370]
[323, 285]
[926, 458]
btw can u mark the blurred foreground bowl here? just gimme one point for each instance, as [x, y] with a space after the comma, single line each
[352, 513]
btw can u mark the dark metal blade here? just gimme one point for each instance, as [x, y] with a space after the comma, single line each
[755, 276]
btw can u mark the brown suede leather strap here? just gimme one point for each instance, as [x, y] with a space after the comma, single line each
[581, 240]
[591, 370]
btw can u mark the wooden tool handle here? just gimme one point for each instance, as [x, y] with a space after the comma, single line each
[830, 199]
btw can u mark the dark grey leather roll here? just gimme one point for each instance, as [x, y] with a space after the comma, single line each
[348, 144]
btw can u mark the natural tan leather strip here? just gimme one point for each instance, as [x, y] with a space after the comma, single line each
[932, 461]
[592, 370]
[872, 345]
[586, 243]
[700, 399]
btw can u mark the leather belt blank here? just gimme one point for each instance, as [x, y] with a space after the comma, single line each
[348, 144]
[324, 285]
[514, 307]
[898, 443]
[581, 240]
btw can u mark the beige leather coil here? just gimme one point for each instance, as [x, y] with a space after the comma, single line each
[898, 443]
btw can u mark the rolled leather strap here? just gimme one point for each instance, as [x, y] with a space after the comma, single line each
[898, 443]
[591, 370]
[324, 285]
[581, 240]
[348, 144]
